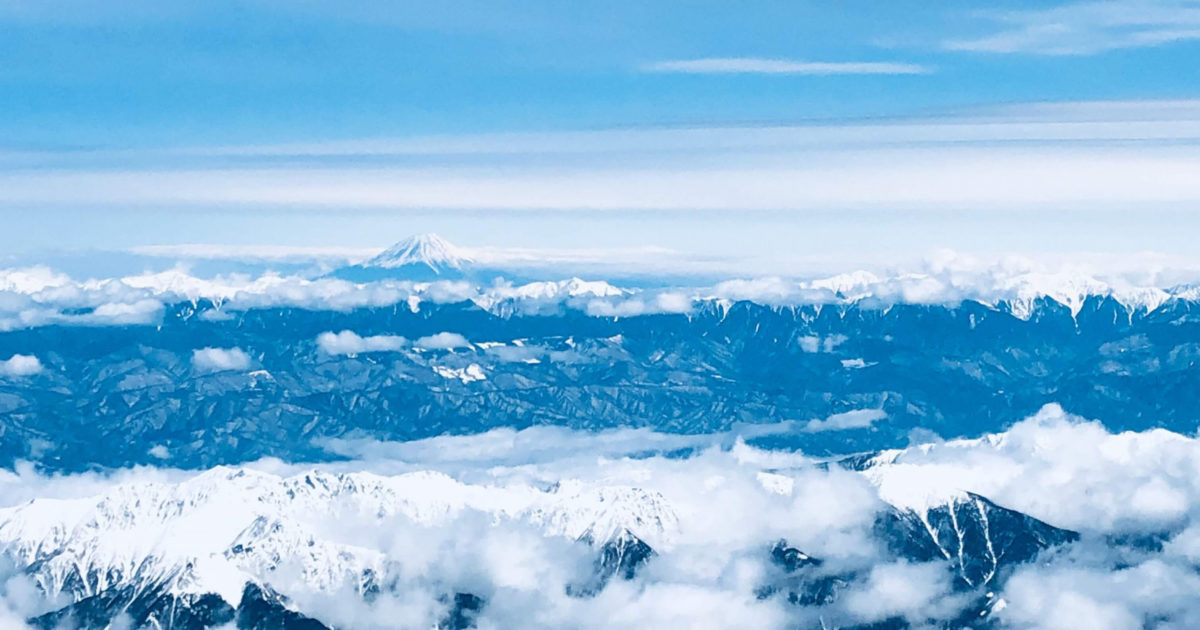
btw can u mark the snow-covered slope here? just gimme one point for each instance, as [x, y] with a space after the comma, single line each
[430, 250]
[228, 527]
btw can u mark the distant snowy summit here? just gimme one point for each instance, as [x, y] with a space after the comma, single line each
[425, 258]
[422, 250]
[420, 258]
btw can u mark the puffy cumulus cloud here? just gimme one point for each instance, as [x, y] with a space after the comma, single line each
[902, 590]
[442, 341]
[347, 342]
[31, 279]
[1064, 596]
[674, 605]
[20, 365]
[1087, 478]
[856, 419]
[769, 290]
[813, 344]
[20, 597]
[220, 359]
[19, 311]
[674, 302]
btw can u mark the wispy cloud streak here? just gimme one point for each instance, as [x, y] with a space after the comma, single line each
[1062, 156]
[1085, 28]
[755, 65]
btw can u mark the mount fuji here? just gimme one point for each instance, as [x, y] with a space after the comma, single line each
[418, 258]
[428, 258]
[428, 250]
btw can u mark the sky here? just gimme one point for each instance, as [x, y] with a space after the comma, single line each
[794, 129]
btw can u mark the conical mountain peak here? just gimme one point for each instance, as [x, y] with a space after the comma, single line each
[430, 250]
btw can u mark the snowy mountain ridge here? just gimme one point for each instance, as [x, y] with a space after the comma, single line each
[41, 296]
[226, 527]
[234, 540]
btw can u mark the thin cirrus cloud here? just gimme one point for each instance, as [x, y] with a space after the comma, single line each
[900, 178]
[1056, 155]
[755, 65]
[1085, 28]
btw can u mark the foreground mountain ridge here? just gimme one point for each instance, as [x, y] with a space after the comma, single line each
[237, 545]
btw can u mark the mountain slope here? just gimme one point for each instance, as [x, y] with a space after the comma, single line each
[188, 553]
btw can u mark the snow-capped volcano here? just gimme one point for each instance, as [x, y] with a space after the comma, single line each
[430, 250]
[418, 258]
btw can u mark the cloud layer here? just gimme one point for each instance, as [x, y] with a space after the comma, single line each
[1024, 158]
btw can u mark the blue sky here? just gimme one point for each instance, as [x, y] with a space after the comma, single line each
[132, 73]
[128, 123]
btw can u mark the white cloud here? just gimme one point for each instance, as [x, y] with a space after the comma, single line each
[442, 341]
[900, 589]
[908, 178]
[538, 444]
[158, 451]
[673, 302]
[31, 279]
[1083, 28]
[857, 419]
[1088, 478]
[1064, 597]
[20, 365]
[1033, 157]
[220, 359]
[754, 65]
[348, 342]
[812, 343]
[640, 304]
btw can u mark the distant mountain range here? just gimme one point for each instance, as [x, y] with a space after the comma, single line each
[109, 399]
